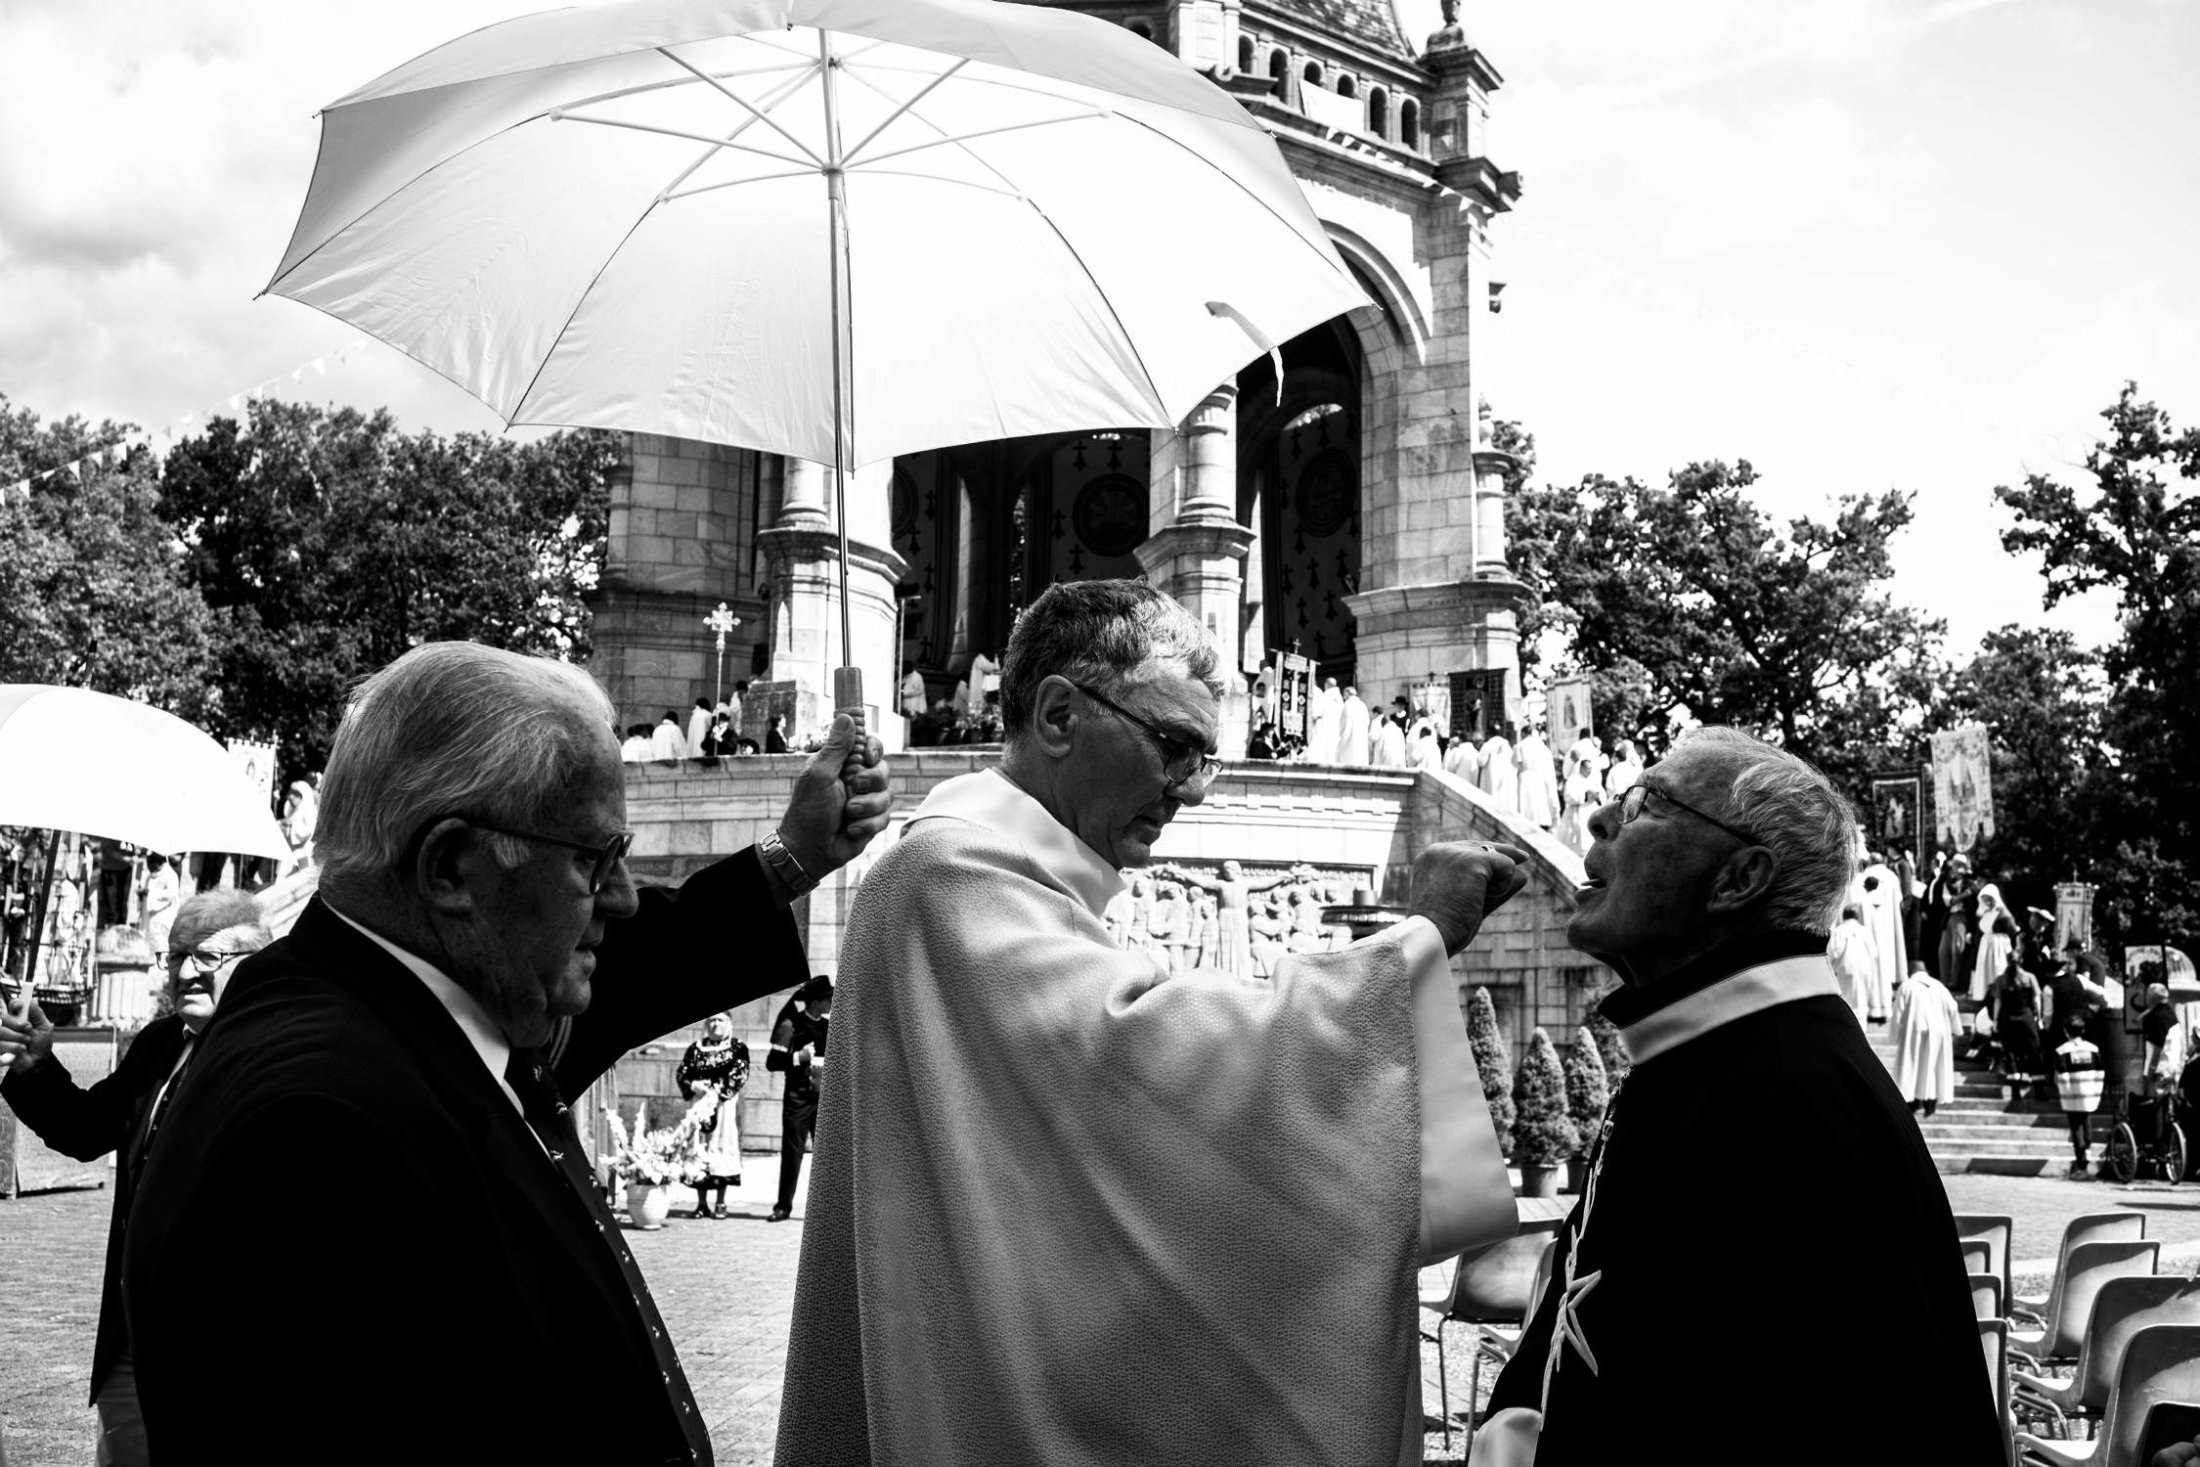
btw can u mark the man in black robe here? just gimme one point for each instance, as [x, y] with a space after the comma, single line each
[1756, 1152]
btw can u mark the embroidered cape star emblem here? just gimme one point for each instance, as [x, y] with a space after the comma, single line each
[1566, 1330]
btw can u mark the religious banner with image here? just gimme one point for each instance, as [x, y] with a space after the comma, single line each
[1963, 793]
[256, 762]
[1570, 711]
[1897, 816]
[1292, 681]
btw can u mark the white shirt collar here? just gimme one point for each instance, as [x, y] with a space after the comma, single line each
[465, 1010]
[991, 799]
[1733, 997]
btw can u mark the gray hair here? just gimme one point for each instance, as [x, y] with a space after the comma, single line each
[1795, 812]
[452, 728]
[219, 910]
[1098, 633]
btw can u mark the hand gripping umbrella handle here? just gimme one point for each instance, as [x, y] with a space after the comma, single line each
[848, 694]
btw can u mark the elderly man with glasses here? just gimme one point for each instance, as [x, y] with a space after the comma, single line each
[122, 1114]
[1071, 1207]
[445, 1282]
[1756, 1157]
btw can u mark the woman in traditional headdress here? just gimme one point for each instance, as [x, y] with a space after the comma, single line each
[715, 1067]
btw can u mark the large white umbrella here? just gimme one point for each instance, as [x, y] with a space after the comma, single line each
[837, 229]
[73, 759]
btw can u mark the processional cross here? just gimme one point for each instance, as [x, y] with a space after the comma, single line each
[721, 621]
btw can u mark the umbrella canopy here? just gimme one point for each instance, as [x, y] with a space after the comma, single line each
[73, 759]
[617, 216]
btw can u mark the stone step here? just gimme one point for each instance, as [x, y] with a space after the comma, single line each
[2019, 1144]
[2003, 1165]
[2016, 1128]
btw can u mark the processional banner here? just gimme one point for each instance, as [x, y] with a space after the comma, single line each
[1897, 816]
[1570, 711]
[256, 762]
[1963, 793]
[1292, 678]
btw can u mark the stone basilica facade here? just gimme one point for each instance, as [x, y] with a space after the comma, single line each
[1357, 517]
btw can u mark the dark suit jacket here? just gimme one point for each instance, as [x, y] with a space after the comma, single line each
[348, 1247]
[90, 1123]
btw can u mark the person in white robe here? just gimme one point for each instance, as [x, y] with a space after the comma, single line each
[1354, 727]
[1923, 1028]
[1500, 776]
[665, 741]
[1424, 751]
[698, 726]
[913, 694]
[1538, 779]
[1324, 723]
[1070, 1209]
[1626, 770]
[1390, 745]
[1882, 897]
[1849, 950]
[1463, 760]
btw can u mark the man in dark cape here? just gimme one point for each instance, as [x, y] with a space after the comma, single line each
[1756, 1162]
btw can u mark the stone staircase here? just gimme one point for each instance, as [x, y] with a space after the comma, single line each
[1982, 1129]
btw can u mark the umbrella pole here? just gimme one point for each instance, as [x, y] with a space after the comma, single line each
[38, 917]
[847, 678]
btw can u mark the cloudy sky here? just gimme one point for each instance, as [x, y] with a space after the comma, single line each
[1862, 243]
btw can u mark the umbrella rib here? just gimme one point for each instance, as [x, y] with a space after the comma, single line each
[945, 136]
[688, 193]
[1100, 293]
[894, 116]
[1228, 176]
[519, 403]
[959, 139]
[739, 101]
[771, 99]
[705, 139]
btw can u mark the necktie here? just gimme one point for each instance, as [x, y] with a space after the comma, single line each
[552, 1122]
[144, 1147]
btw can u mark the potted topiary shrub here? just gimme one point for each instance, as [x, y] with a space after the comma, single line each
[649, 1162]
[1609, 1048]
[1543, 1135]
[1586, 1096]
[1494, 1062]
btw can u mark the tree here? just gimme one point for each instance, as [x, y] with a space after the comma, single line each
[2041, 698]
[1543, 1135]
[1609, 1049]
[92, 591]
[1587, 1091]
[1493, 1061]
[1691, 594]
[2136, 533]
[329, 543]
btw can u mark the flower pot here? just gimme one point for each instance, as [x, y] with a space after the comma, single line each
[1537, 1180]
[1577, 1173]
[647, 1203]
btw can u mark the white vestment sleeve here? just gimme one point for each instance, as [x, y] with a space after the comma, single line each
[1466, 1196]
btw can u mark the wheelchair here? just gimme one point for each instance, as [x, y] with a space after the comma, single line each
[2168, 1122]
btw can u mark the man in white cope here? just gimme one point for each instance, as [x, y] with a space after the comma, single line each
[1071, 1209]
[1538, 778]
[1500, 777]
[1355, 723]
[1325, 722]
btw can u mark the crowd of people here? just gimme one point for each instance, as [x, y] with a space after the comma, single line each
[1057, 1180]
[713, 731]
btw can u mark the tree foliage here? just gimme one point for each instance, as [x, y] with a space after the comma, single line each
[92, 588]
[1493, 1060]
[1609, 1049]
[1543, 1134]
[1587, 1090]
[1692, 594]
[2135, 532]
[329, 542]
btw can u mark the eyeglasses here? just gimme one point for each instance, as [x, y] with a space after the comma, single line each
[606, 856]
[1182, 762]
[1630, 805]
[207, 962]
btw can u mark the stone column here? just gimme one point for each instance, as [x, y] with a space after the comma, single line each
[801, 553]
[1195, 549]
[678, 545]
[1436, 593]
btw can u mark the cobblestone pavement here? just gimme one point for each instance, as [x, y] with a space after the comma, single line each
[726, 1289]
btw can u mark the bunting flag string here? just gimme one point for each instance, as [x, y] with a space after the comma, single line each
[159, 440]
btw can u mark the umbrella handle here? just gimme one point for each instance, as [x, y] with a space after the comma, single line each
[848, 694]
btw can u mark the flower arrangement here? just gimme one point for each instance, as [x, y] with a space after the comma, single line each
[672, 1154]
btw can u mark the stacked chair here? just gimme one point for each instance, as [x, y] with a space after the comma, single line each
[1495, 1291]
[2129, 1337]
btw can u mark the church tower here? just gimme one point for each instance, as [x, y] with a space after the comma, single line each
[1353, 511]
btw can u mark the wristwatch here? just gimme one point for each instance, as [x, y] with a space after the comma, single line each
[781, 860]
